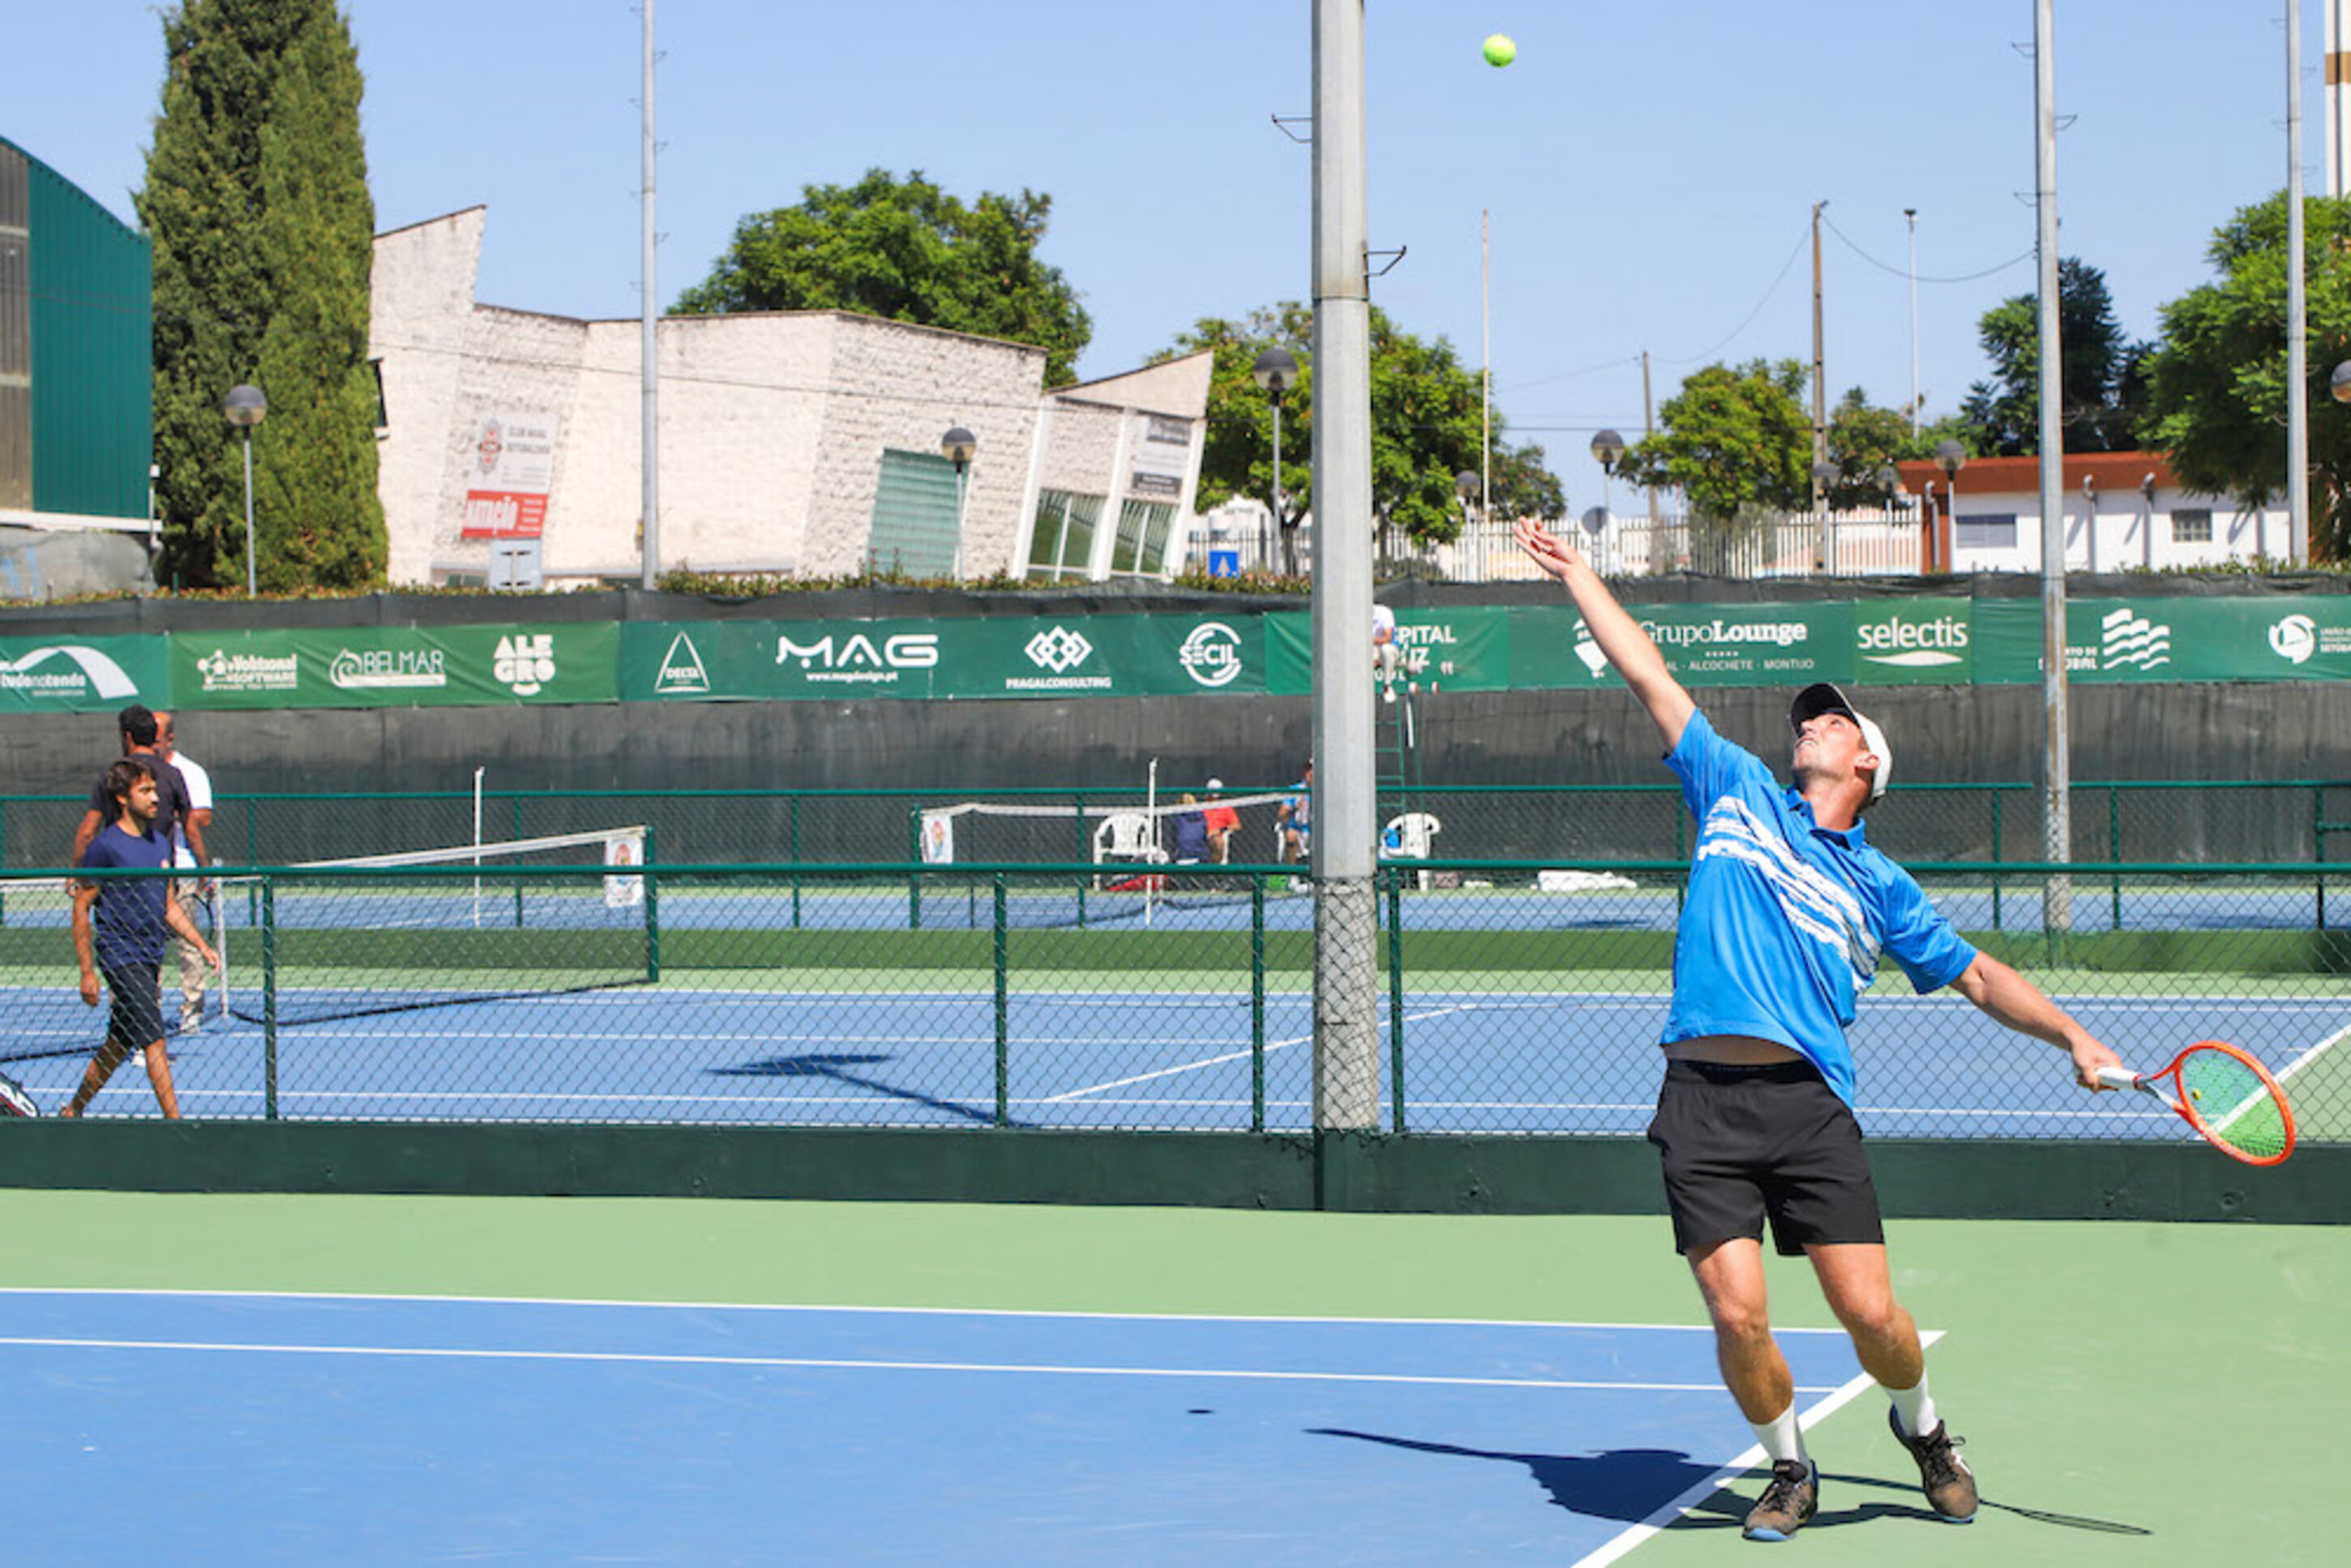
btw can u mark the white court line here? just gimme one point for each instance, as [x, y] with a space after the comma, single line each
[2314, 1053]
[1270, 1047]
[649, 1358]
[1627, 1540]
[640, 1303]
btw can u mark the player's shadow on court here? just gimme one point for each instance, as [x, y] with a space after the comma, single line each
[837, 1069]
[1624, 1484]
[1630, 1485]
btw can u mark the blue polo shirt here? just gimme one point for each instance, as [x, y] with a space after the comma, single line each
[1784, 920]
[127, 921]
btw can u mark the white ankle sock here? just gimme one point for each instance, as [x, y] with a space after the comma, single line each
[1781, 1438]
[1914, 1408]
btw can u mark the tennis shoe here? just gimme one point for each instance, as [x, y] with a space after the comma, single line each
[1943, 1476]
[1787, 1503]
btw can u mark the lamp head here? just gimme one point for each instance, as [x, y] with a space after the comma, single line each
[245, 407]
[1276, 371]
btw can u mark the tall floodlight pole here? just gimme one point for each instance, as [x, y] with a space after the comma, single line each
[1346, 992]
[650, 374]
[2297, 307]
[1486, 361]
[1911, 216]
[2338, 82]
[2056, 821]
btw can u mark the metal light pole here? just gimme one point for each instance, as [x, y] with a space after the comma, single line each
[1277, 371]
[1825, 474]
[1950, 457]
[960, 446]
[245, 407]
[2297, 305]
[1911, 216]
[1607, 447]
[2057, 766]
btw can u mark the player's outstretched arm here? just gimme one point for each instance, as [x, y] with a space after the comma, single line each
[1617, 633]
[2008, 998]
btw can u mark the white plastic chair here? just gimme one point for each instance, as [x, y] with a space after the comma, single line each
[1413, 837]
[1128, 836]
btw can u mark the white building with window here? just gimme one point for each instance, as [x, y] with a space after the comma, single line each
[2123, 510]
[792, 444]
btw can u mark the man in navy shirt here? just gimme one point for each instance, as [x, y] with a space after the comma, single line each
[118, 928]
[1787, 912]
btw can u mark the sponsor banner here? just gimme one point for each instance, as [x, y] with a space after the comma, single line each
[1703, 644]
[1465, 650]
[514, 467]
[2136, 639]
[1913, 642]
[1069, 656]
[395, 666]
[81, 674]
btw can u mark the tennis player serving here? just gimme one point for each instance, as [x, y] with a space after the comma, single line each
[1787, 911]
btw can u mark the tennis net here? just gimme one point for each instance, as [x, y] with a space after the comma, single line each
[382, 933]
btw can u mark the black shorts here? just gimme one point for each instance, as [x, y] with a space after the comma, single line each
[137, 1020]
[1744, 1144]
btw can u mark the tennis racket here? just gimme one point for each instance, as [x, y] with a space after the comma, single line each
[2225, 1095]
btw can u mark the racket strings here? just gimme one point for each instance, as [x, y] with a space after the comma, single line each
[2235, 1104]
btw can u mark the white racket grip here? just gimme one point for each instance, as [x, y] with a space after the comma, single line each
[2120, 1077]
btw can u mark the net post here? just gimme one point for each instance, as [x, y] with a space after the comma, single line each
[796, 855]
[516, 819]
[915, 876]
[1257, 1001]
[1396, 993]
[1003, 1033]
[2114, 849]
[1996, 798]
[653, 909]
[4, 860]
[268, 997]
[1085, 851]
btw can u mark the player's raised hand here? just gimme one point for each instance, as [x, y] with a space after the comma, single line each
[1547, 549]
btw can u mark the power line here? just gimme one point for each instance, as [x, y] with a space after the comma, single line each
[1905, 272]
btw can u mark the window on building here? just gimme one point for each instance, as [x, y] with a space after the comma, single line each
[2191, 526]
[1986, 532]
[1063, 543]
[1140, 548]
[915, 520]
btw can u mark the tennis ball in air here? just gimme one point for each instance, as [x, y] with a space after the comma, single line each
[1499, 50]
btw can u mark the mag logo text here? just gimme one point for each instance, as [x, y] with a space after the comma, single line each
[858, 659]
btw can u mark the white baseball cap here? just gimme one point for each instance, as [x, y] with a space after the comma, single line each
[1821, 697]
[1216, 783]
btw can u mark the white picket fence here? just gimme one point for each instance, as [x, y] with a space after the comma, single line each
[1851, 544]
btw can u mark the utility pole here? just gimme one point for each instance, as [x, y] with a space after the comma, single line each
[649, 374]
[2056, 819]
[1820, 379]
[1911, 216]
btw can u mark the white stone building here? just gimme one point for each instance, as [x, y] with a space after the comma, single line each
[801, 443]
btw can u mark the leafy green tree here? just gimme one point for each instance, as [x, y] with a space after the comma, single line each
[1862, 441]
[255, 198]
[906, 251]
[317, 515]
[1732, 440]
[1426, 425]
[2102, 375]
[2217, 387]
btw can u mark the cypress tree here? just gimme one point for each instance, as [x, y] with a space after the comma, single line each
[260, 111]
[320, 519]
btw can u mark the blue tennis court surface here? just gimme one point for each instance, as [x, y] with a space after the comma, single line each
[1474, 1060]
[185, 1426]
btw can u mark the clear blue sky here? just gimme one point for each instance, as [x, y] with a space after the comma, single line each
[1649, 168]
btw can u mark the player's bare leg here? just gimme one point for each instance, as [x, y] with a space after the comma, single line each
[110, 1055]
[1729, 1275]
[1854, 1278]
[159, 1076]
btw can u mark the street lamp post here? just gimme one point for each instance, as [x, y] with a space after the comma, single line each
[1825, 476]
[245, 407]
[1950, 457]
[1607, 447]
[960, 446]
[1276, 371]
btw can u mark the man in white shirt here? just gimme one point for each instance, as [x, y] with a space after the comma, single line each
[194, 966]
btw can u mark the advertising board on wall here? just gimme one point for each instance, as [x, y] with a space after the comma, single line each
[508, 481]
[1933, 640]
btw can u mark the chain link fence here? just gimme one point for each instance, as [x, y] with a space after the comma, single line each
[1510, 997]
[2304, 823]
